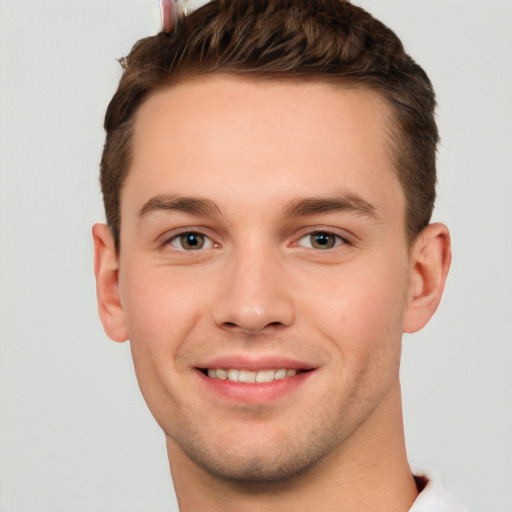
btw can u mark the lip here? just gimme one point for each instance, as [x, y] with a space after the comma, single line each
[255, 363]
[254, 392]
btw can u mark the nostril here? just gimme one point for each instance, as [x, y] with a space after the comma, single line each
[234, 325]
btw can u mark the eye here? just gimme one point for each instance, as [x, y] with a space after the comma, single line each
[322, 240]
[190, 241]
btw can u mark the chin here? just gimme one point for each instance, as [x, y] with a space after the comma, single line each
[269, 459]
[257, 470]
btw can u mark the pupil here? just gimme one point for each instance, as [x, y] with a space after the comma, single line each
[193, 241]
[323, 240]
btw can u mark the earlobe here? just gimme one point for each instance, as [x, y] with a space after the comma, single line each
[106, 270]
[430, 262]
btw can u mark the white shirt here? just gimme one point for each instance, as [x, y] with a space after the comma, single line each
[434, 497]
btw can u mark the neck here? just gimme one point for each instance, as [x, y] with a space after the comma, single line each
[368, 472]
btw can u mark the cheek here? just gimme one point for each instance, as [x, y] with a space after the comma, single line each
[160, 306]
[379, 308]
[363, 307]
[366, 301]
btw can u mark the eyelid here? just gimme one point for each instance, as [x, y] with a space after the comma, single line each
[345, 237]
[169, 236]
[342, 236]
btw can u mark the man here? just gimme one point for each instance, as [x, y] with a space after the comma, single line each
[268, 178]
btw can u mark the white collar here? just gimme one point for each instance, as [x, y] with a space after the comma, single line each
[434, 497]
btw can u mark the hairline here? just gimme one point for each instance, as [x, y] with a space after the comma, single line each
[389, 116]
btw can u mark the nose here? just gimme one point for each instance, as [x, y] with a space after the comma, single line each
[253, 296]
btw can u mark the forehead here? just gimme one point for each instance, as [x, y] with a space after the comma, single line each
[224, 137]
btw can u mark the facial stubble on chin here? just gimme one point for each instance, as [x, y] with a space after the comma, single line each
[301, 449]
[255, 471]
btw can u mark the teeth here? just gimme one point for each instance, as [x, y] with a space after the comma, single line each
[221, 374]
[245, 376]
[265, 376]
[248, 376]
[280, 374]
[232, 374]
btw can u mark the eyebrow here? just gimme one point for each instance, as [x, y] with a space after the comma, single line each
[302, 207]
[317, 205]
[192, 205]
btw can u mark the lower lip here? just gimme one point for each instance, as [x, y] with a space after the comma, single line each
[254, 392]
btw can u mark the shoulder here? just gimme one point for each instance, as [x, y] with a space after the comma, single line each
[434, 497]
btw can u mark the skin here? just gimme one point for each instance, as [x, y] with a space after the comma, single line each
[255, 156]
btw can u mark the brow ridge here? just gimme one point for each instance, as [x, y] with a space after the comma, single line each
[351, 203]
[185, 204]
[301, 207]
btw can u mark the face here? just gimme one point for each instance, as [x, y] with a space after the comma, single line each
[264, 271]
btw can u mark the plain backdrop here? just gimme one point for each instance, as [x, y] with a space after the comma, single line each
[75, 434]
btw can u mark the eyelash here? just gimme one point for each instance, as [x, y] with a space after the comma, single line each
[179, 238]
[338, 239]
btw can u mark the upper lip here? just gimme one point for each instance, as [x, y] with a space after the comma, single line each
[255, 363]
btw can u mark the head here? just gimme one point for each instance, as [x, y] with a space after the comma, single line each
[332, 42]
[269, 178]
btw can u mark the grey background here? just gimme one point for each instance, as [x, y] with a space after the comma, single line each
[75, 434]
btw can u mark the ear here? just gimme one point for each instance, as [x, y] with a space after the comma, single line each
[106, 270]
[430, 261]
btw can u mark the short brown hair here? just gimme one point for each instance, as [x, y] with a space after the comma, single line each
[324, 40]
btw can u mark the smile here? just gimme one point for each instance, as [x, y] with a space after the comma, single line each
[252, 382]
[248, 377]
